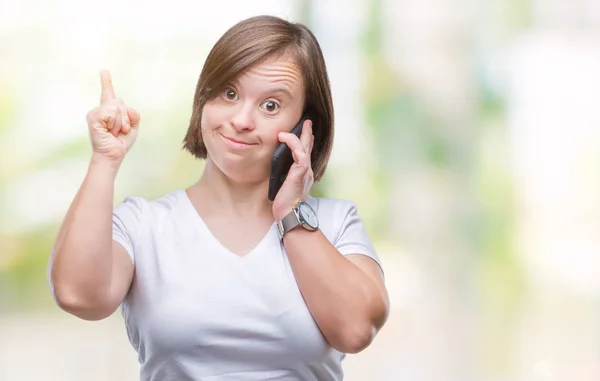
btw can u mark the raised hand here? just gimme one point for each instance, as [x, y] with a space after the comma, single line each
[113, 127]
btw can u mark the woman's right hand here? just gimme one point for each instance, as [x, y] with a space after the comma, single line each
[113, 127]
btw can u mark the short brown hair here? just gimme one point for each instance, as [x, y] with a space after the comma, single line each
[249, 43]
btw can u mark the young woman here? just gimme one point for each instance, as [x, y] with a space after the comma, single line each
[217, 282]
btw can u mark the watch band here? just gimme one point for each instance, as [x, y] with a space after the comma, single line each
[287, 223]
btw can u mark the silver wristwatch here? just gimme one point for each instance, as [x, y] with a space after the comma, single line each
[303, 215]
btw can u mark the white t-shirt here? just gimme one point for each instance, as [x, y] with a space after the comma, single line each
[197, 311]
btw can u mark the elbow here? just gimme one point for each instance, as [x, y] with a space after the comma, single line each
[74, 299]
[80, 306]
[359, 334]
[355, 340]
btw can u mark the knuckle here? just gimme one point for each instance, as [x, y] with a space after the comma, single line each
[102, 110]
[110, 114]
[124, 113]
[106, 115]
[91, 114]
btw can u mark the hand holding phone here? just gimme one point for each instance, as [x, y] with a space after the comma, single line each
[282, 161]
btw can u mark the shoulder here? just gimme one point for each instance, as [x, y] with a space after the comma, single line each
[332, 208]
[143, 206]
[340, 223]
[333, 214]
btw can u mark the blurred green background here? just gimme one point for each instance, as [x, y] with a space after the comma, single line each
[466, 132]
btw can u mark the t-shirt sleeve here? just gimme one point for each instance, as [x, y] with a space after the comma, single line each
[127, 221]
[352, 237]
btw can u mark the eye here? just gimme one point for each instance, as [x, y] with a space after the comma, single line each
[230, 94]
[270, 106]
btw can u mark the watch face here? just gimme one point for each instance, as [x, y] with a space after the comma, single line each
[308, 215]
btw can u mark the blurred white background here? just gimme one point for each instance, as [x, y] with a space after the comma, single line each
[467, 133]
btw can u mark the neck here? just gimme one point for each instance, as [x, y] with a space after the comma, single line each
[238, 197]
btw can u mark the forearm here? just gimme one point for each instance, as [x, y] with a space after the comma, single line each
[81, 261]
[345, 302]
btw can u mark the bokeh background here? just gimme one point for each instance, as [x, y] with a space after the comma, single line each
[466, 131]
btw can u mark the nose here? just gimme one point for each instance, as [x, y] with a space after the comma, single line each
[243, 119]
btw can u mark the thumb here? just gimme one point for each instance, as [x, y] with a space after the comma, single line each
[134, 117]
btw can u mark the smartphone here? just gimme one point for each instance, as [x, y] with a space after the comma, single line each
[282, 161]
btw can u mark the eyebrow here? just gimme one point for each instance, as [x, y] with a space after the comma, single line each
[272, 90]
[282, 90]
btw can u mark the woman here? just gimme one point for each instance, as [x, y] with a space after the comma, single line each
[217, 282]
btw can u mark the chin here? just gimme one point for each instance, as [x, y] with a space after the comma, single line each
[239, 168]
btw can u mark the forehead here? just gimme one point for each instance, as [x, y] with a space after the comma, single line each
[280, 71]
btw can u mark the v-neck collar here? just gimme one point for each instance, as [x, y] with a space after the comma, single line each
[202, 224]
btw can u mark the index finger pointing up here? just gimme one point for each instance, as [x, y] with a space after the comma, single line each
[107, 89]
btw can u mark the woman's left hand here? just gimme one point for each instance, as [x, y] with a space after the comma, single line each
[300, 177]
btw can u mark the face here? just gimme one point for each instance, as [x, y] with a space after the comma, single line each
[240, 126]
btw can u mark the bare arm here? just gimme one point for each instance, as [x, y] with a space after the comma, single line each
[89, 273]
[345, 295]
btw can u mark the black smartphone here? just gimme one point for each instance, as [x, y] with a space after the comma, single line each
[282, 161]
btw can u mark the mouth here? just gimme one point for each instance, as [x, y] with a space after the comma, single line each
[236, 143]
